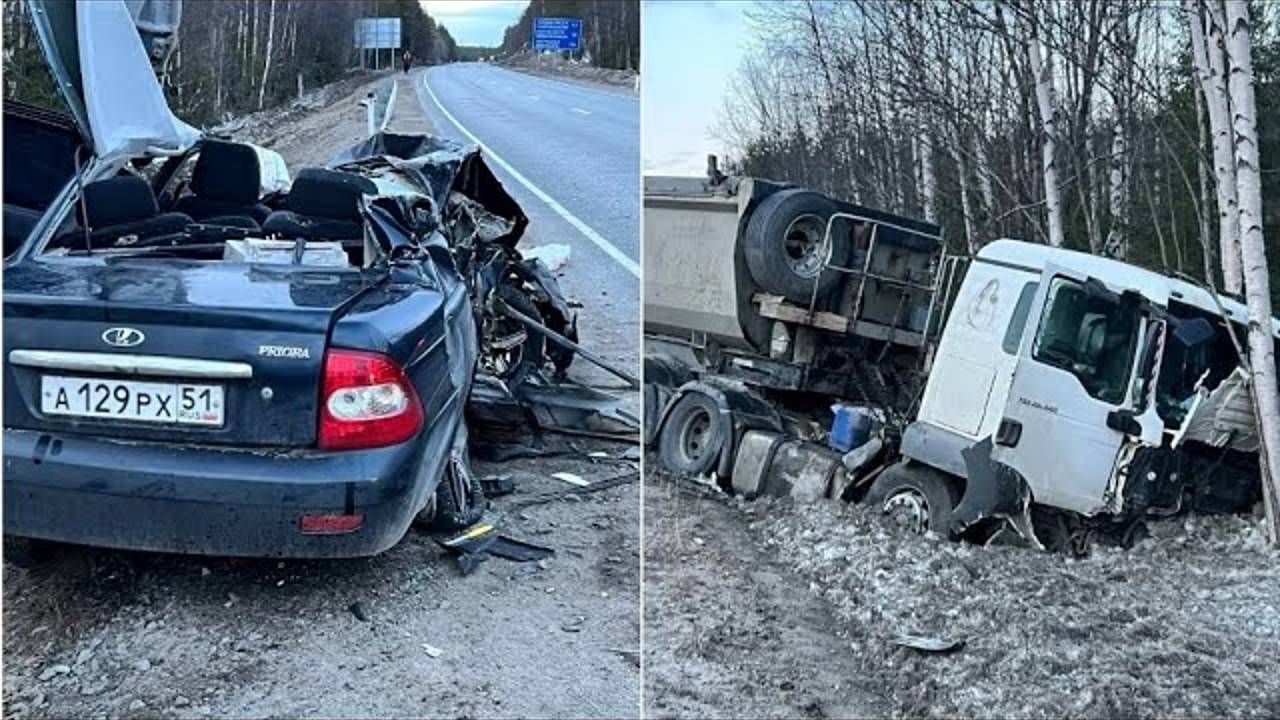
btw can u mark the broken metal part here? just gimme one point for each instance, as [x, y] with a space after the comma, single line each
[573, 408]
[555, 309]
[518, 550]
[993, 490]
[497, 485]
[473, 545]
[555, 337]
[929, 644]
[537, 403]
[1223, 417]
[861, 465]
[623, 478]
[434, 166]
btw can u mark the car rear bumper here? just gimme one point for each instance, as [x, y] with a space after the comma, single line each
[215, 501]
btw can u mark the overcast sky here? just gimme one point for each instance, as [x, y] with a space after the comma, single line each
[476, 22]
[690, 51]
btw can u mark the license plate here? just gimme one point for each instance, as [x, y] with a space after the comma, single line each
[150, 402]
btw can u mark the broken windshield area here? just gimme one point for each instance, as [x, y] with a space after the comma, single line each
[1090, 335]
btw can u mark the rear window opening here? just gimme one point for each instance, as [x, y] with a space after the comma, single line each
[220, 216]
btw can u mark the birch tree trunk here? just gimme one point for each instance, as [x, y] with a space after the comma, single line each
[266, 64]
[1117, 243]
[928, 179]
[1042, 71]
[1202, 175]
[984, 174]
[1207, 54]
[1262, 352]
[966, 203]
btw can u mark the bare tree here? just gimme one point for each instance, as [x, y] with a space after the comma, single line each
[1208, 54]
[1042, 70]
[1262, 356]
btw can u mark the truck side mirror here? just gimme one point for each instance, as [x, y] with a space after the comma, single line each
[1124, 421]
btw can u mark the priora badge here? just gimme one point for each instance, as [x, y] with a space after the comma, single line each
[123, 337]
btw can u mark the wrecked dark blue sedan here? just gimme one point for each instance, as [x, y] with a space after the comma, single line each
[196, 361]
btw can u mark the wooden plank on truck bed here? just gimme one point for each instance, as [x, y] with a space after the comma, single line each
[776, 307]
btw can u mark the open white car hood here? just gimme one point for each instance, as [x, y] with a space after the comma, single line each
[103, 70]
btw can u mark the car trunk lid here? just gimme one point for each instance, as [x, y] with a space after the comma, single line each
[258, 333]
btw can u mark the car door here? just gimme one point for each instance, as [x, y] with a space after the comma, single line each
[1074, 368]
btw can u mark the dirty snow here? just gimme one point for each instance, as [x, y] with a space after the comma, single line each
[1187, 624]
[552, 65]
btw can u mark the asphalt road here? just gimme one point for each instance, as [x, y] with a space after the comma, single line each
[579, 145]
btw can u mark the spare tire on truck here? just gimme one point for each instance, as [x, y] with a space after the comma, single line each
[783, 244]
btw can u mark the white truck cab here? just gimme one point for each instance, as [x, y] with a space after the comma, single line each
[1068, 372]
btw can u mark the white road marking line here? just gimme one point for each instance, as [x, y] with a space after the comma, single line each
[609, 248]
[580, 110]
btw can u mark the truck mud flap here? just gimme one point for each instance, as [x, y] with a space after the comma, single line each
[993, 491]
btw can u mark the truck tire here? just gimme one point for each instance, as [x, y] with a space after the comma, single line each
[917, 497]
[693, 435]
[783, 244]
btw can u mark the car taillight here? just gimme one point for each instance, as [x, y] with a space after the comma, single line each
[367, 402]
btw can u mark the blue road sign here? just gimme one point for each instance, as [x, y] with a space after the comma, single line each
[557, 34]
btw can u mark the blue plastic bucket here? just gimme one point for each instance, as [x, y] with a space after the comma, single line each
[851, 427]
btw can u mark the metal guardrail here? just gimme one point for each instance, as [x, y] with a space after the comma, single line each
[379, 106]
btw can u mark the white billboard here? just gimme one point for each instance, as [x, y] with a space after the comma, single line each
[378, 33]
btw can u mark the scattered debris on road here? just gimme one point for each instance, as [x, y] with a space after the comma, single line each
[570, 478]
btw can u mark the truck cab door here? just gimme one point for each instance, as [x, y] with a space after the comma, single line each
[1070, 385]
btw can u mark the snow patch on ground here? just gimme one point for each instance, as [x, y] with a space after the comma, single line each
[1186, 624]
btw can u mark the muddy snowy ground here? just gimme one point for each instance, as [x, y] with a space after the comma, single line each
[789, 610]
[553, 66]
[105, 634]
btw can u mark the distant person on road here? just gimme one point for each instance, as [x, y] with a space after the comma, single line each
[407, 59]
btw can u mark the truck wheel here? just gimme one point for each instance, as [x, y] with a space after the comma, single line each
[459, 502]
[915, 497]
[783, 244]
[693, 435]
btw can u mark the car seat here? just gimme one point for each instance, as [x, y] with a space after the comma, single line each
[226, 186]
[322, 205]
[125, 206]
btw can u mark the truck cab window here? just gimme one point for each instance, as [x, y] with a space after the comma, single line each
[1090, 336]
[1018, 323]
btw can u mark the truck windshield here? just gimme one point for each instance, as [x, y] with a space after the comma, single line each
[1090, 336]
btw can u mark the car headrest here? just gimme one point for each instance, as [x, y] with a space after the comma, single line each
[119, 200]
[228, 172]
[317, 192]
